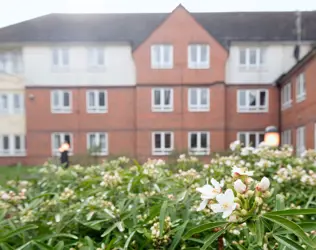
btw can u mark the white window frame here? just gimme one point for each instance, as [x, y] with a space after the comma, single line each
[60, 108]
[11, 103]
[162, 107]
[163, 150]
[301, 87]
[260, 57]
[55, 151]
[102, 152]
[199, 150]
[247, 136]
[287, 137]
[60, 53]
[300, 140]
[12, 151]
[97, 108]
[199, 107]
[155, 63]
[93, 58]
[252, 109]
[286, 96]
[199, 64]
[11, 61]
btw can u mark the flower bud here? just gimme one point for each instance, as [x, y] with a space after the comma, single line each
[259, 200]
[240, 187]
[267, 194]
[244, 212]
[5, 196]
[263, 185]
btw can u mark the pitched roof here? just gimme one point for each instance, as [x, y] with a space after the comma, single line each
[301, 63]
[134, 28]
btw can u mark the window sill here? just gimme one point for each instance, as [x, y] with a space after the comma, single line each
[100, 154]
[13, 155]
[61, 111]
[97, 111]
[199, 153]
[57, 153]
[286, 106]
[157, 110]
[300, 98]
[199, 66]
[253, 111]
[251, 68]
[161, 153]
[161, 66]
[203, 110]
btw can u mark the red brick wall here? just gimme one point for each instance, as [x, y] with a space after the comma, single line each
[180, 29]
[119, 122]
[237, 122]
[302, 113]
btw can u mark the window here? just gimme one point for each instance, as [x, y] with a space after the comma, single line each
[250, 139]
[252, 100]
[97, 101]
[11, 103]
[12, 145]
[162, 56]
[61, 101]
[199, 99]
[251, 57]
[97, 143]
[96, 57]
[162, 100]
[162, 143]
[58, 139]
[11, 61]
[300, 140]
[286, 96]
[199, 143]
[60, 57]
[199, 56]
[300, 88]
[286, 137]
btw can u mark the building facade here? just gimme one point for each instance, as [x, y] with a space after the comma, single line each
[145, 85]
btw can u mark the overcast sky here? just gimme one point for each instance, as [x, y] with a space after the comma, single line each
[13, 11]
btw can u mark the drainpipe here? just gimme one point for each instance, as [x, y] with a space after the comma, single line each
[279, 87]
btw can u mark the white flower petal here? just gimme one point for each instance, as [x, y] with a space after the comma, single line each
[217, 208]
[202, 205]
[230, 195]
[215, 183]
[227, 213]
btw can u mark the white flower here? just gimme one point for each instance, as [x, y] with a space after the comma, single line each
[234, 145]
[239, 186]
[5, 196]
[209, 192]
[225, 204]
[263, 185]
[241, 171]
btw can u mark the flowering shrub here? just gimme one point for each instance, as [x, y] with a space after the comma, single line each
[254, 199]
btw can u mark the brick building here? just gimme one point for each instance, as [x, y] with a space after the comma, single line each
[145, 85]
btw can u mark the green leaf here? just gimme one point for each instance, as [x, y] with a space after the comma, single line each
[129, 240]
[178, 236]
[25, 245]
[17, 231]
[203, 228]
[259, 231]
[292, 227]
[212, 238]
[291, 212]
[306, 226]
[290, 244]
[59, 246]
[89, 242]
[51, 236]
[162, 216]
[41, 245]
[279, 203]
[6, 246]
[109, 230]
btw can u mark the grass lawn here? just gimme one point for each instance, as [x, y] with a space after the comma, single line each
[13, 173]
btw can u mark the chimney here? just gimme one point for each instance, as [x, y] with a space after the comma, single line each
[298, 32]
